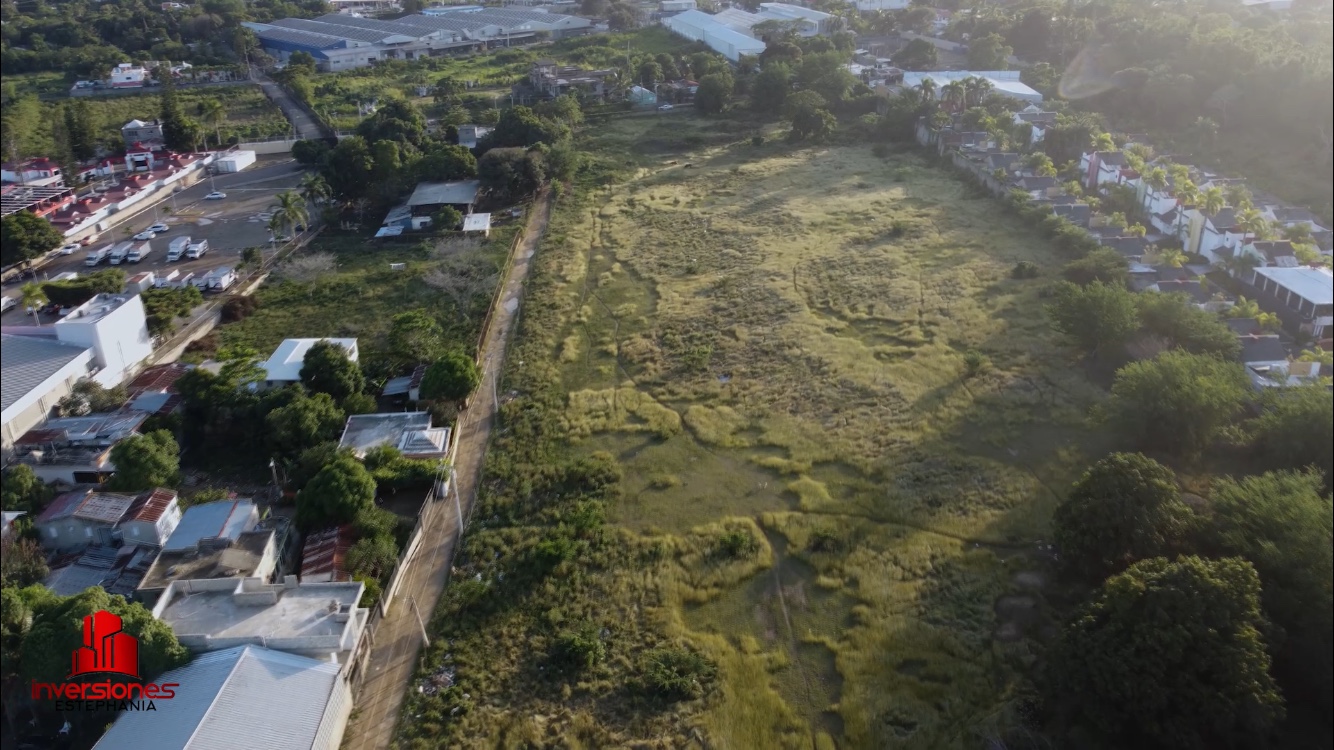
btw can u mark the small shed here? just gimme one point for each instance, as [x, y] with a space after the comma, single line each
[477, 224]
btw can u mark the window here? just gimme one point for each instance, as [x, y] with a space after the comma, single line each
[88, 531]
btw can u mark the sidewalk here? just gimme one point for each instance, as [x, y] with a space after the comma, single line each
[398, 638]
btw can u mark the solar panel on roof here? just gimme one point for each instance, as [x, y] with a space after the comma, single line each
[344, 32]
[295, 36]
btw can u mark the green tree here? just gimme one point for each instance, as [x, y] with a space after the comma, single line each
[348, 168]
[179, 132]
[327, 369]
[1099, 317]
[989, 52]
[650, 74]
[1104, 265]
[714, 92]
[1170, 654]
[33, 298]
[81, 129]
[335, 495]
[1175, 319]
[291, 211]
[1283, 525]
[415, 337]
[810, 122]
[1125, 508]
[451, 378]
[447, 218]
[771, 88]
[215, 114]
[372, 557]
[521, 127]
[447, 162]
[511, 173]
[917, 54]
[25, 236]
[145, 462]
[21, 489]
[305, 422]
[22, 562]
[1177, 402]
[1296, 430]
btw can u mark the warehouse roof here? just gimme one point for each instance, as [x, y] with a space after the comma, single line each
[440, 193]
[26, 363]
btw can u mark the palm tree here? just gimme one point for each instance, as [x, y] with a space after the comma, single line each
[1172, 258]
[34, 298]
[1212, 201]
[1103, 142]
[315, 189]
[975, 90]
[291, 211]
[1136, 230]
[1187, 195]
[1156, 178]
[1297, 233]
[928, 89]
[1252, 222]
[1238, 195]
[214, 113]
[952, 94]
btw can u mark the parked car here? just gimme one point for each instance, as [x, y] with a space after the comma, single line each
[70, 249]
[90, 239]
[283, 238]
[665, 107]
[216, 195]
[147, 234]
[159, 228]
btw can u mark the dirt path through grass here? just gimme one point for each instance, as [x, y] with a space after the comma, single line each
[398, 640]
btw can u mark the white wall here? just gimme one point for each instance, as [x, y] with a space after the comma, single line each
[33, 407]
[119, 339]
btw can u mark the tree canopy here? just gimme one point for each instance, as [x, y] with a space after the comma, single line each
[1177, 402]
[1296, 430]
[25, 236]
[1170, 655]
[305, 422]
[1124, 509]
[335, 495]
[145, 462]
[451, 378]
[328, 369]
[1098, 317]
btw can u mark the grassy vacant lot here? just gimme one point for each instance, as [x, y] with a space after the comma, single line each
[825, 348]
[337, 95]
[360, 297]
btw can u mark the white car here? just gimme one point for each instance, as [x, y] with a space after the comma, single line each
[147, 234]
[665, 107]
[159, 228]
[216, 195]
[69, 249]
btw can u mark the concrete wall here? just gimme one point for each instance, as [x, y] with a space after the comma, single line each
[269, 147]
[336, 714]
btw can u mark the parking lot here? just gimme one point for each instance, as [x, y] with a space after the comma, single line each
[230, 225]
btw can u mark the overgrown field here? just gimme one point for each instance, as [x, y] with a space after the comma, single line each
[841, 427]
[359, 295]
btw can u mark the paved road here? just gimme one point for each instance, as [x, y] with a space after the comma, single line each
[230, 225]
[305, 127]
[398, 638]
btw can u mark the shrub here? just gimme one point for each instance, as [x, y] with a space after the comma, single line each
[757, 140]
[880, 151]
[238, 308]
[1024, 269]
[579, 649]
[737, 543]
[677, 674]
[974, 362]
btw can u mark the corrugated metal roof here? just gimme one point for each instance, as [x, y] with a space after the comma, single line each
[244, 697]
[26, 363]
[63, 506]
[105, 507]
[224, 518]
[324, 551]
[373, 36]
[458, 192]
[151, 505]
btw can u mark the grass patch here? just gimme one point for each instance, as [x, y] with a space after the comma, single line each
[869, 423]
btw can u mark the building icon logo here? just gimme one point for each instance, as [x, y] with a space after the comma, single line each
[106, 648]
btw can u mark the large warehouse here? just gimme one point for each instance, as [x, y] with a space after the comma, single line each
[702, 27]
[340, 42]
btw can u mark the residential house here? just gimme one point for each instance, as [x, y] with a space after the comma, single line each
[117, 570]
[153, 391]
[1201, 294]
[1271, 253]
[35, 373]
[1101, 168]
[429, 197]
[1133, 248]
[1040, 121]
[406, 387]
[317, 620]
[36, 172]
[139, 132]
[77, 519]
[1035, 186]
[1262, 349]
[242, 697]
[470, 135]
[152, 519]
[76, 450]
[284, 366]
[550, 79]
[128, 75]
[1245, 326]
[1212, 236]
[410, 433]
[221, 539]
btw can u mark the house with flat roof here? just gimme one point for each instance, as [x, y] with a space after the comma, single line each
[410, 432]
[242, 697]
[319, 620]
[115, 326]
[221, 539]
[117, 570]
[284, 366]
[76, 450]
[35, 373]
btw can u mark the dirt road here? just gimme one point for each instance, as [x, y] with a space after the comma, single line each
[398, 639]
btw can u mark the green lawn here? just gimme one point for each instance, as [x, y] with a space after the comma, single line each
[779, 339]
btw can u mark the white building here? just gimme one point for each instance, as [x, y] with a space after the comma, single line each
[128, 75]
[115, 327]
[284, 367]
[319, 620]
[809, 22]
[867, 6]
[702, 27]
[1308, 292]
[242, 697]
[676, 6]
[38, 172]
[1003, 82]
[35, 373]
[409, 432]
